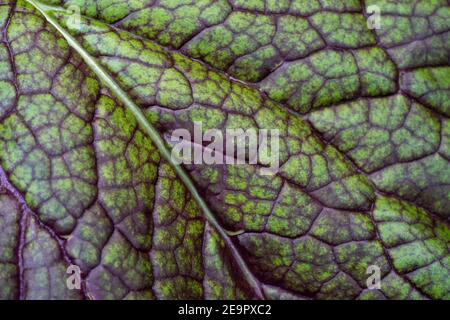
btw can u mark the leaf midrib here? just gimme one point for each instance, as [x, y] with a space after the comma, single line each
[103, 75]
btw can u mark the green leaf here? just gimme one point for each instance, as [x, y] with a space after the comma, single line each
[87, 177]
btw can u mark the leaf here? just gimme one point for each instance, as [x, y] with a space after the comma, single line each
[364, 176]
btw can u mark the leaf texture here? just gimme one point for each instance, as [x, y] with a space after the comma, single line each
[364, 150]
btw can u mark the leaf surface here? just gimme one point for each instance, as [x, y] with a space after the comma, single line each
[364, 177]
